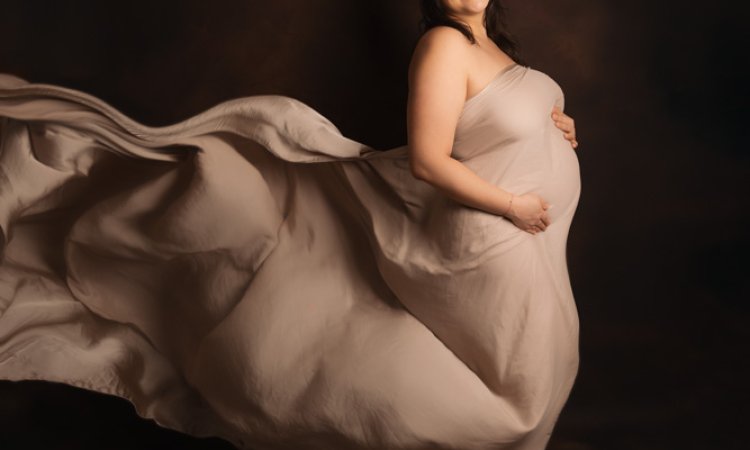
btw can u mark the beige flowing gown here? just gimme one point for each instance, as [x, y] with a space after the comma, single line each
[250, 273]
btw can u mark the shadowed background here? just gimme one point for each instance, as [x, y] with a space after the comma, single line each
[658, 248]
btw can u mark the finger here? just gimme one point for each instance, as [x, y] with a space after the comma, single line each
[569, 120]
[575, 143]
[565, 129]
[563, 125]
[571, 135]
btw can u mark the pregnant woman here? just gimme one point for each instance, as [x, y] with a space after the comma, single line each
[250, 273]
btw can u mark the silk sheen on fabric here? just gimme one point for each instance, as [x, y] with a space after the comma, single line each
[253, 274]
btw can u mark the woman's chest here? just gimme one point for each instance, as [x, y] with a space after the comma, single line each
[510, 112]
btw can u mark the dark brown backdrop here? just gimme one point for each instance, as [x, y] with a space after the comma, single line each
[659, 245]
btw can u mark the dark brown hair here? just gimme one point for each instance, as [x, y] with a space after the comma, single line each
[434, 14]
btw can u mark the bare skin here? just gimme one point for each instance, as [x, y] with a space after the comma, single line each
[445, 70]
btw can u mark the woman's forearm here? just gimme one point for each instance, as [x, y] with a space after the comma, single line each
[462, 184]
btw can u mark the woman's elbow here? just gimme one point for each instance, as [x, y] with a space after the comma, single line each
[420, 170]
[426, 169]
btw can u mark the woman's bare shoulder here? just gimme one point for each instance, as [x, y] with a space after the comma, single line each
[443, 37]
[444, 34]
[441, 43]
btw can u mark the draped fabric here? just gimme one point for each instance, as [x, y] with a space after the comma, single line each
[251, 273]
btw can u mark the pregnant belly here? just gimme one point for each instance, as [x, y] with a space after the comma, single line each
[560, 183]
[547, 165]
[544, 164]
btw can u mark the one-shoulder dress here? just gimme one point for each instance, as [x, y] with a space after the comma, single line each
[251, 273]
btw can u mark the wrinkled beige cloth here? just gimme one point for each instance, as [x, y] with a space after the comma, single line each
[250, 273]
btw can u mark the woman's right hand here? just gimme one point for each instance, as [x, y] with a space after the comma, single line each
[529, 213]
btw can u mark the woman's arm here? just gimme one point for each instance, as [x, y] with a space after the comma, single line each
[437, 92]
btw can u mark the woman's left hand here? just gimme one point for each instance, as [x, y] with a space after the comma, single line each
[566, 124]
